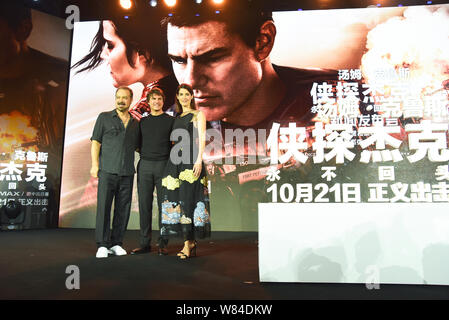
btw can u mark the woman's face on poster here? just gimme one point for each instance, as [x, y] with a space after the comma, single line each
[114, 54]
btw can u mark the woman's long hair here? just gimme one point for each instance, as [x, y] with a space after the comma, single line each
[192, 102]
[140, 35]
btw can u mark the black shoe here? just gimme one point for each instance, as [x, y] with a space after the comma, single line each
[141, 250]
[162, 251]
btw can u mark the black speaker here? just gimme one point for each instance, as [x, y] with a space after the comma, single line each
[12, 216]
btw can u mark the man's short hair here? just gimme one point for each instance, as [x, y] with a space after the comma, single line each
[243, 18]
[14, 12]
[155, 91]
[125, 88]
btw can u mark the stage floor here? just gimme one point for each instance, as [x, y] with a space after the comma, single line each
[33, 266]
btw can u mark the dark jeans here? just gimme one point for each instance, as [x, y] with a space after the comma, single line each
[149, 176]
[117, 188]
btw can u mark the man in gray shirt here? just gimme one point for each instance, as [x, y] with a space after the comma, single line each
[114, 141]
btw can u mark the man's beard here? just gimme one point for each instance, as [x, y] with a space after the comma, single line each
[122, 107]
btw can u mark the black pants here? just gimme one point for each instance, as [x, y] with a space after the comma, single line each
[117, 188]
[149, 175]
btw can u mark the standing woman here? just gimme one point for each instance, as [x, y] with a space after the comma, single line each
[185, 204]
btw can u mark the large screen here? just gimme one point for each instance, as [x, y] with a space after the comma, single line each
[358, 114]
[33, 86]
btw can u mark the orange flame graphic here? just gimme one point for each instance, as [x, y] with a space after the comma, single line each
[16, 131]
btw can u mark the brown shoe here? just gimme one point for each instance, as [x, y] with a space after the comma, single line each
[162, 251]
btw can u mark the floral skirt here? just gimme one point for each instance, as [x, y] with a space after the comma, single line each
[185, 203]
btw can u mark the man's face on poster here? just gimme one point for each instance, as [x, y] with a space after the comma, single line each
[9, 46]
[220, 67]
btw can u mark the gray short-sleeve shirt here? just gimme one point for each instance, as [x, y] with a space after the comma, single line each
[117, 143]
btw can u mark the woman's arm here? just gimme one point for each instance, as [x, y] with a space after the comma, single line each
[201, 124]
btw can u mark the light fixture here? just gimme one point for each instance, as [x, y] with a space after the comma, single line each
[170, 3]
[153, 3]
[217, 1]
[126, 4]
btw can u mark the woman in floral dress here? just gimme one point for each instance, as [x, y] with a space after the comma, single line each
[185, 202]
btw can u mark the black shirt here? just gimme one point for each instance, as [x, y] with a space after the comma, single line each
[155, 141]
[117, 143]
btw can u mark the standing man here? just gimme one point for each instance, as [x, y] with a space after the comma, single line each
[114, 141]
[155, 148]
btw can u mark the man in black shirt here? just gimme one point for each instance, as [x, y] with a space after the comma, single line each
[114, 141]
[155, 148]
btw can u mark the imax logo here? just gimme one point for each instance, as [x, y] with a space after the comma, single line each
[11, 193]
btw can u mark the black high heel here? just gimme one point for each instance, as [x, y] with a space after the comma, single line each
[184, 256]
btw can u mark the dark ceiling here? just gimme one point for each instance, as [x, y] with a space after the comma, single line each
[98, 9]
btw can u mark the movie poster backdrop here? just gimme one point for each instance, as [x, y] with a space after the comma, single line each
[366, 200]
[33, 86]
[377, 131]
